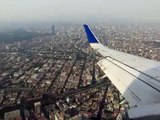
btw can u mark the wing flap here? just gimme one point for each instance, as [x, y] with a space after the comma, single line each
[135, 91]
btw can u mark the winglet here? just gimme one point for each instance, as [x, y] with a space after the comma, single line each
[90, 35]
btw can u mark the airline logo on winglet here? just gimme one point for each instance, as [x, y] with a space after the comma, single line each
[90, 35]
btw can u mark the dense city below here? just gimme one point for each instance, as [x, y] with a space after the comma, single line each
[56, 76]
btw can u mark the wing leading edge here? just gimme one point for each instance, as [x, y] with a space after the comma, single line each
[137, 78]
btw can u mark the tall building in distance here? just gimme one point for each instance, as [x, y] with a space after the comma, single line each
[53, 30]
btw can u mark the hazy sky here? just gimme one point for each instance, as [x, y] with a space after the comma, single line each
[79, 10]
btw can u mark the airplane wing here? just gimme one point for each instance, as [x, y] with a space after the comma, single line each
[136, 78]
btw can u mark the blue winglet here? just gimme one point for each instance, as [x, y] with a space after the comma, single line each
[90, 35]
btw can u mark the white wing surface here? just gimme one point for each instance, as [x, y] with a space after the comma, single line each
[136, 78]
